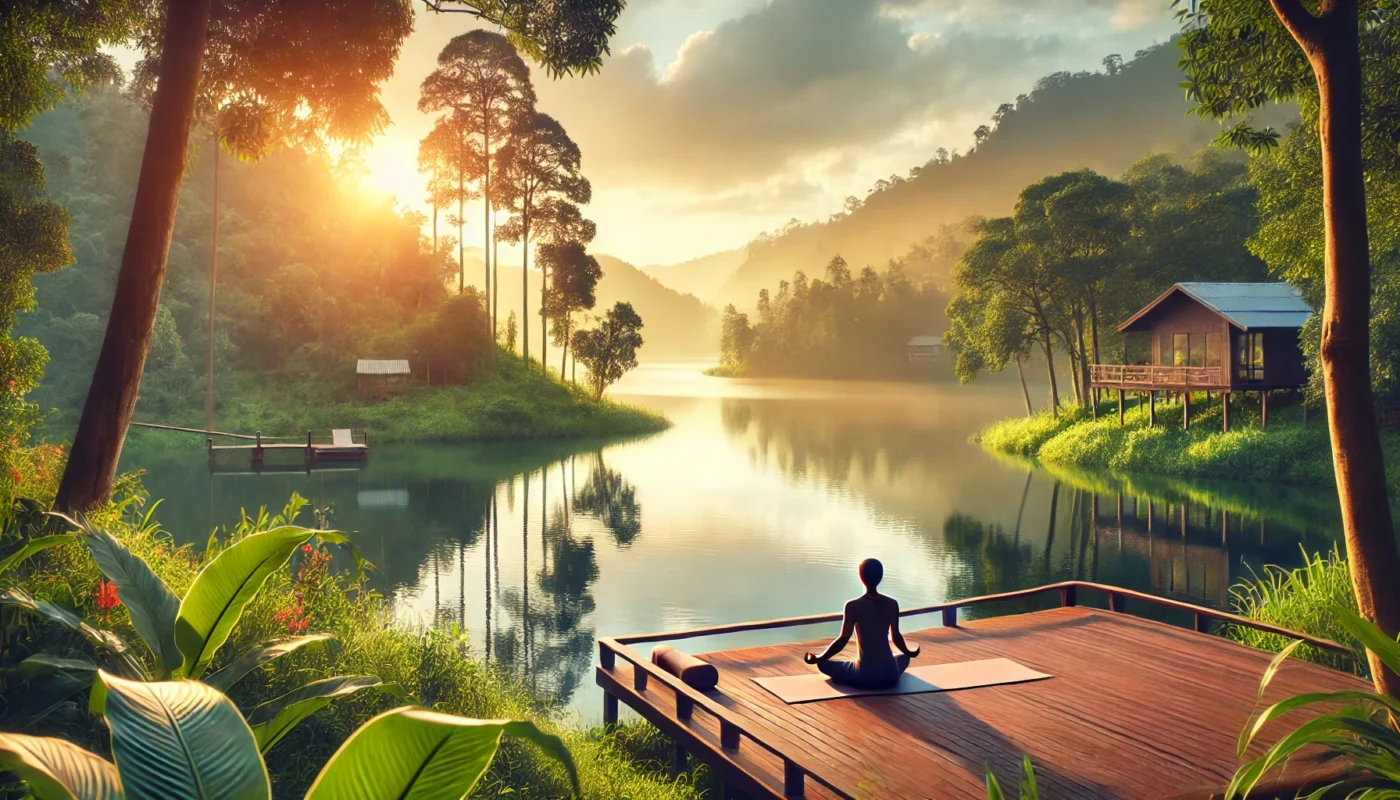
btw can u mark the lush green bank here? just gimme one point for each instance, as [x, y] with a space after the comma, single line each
[506, 401]
[1288, 451]
[428, 666]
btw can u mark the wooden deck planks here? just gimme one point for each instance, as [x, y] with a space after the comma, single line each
[1137, 709]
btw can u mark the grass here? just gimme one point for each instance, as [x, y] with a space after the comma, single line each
[725, 371]
[1286, 452]
[1302, 600]
[509, 401]
[431, 665]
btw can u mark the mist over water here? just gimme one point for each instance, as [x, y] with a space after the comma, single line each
[757, 504]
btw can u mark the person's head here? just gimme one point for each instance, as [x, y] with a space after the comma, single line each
[871, 571]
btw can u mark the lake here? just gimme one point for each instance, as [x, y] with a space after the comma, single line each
[758, 503]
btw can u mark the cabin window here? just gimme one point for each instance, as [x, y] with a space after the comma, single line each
[1212, 349]
[1181, 349]
[1249, 356]
[1198, 350]
[1165, 350]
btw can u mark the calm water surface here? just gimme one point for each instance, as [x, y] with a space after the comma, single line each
[758, 503]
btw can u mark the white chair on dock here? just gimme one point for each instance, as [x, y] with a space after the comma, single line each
[340, 437]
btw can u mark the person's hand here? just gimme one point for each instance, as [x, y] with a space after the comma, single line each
[810, 658]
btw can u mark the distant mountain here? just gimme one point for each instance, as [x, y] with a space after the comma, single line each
[1098, 121]
[702, 277]
[675, 325]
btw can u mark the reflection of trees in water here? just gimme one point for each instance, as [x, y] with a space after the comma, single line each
[609, 498]
[807, 439]
[548, 643]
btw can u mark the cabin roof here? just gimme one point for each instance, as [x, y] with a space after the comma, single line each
[1244, 305]
[925, 341]
[370, 366]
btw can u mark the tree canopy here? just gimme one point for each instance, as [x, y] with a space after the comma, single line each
[609, 351]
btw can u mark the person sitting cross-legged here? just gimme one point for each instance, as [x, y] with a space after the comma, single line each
[874, 618]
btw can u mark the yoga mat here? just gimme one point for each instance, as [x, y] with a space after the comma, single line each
[812, 687]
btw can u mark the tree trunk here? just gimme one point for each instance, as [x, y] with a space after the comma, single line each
[564, 359]
[1333, 49]
[486, 233]
[213, 285]
[1094, 329]
[544, 320]
[1081, 376]
[525, 287]
[496, 281]
[1049, 348]
[92, 461]
[1025, 393]
[461, 243]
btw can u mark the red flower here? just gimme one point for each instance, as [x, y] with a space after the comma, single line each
[306, 548]
[106, 598]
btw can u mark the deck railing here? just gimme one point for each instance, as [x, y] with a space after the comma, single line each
[1149, 375]
[734, 729]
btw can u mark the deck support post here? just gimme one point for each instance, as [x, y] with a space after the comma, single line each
[678, 760]
[950, 618]
[793, 780]
[1186, 411]
[1225, 411]
[257, 450]
[1120, 408]
[609, 708]
[607, 659]
[1151, 408]
[1069, 596]
[1263, 410]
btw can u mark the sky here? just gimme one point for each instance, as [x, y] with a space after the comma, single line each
[715, 120]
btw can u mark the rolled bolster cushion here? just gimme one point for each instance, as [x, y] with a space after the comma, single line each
[692, 671]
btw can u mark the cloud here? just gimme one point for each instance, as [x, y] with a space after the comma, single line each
[764, 93]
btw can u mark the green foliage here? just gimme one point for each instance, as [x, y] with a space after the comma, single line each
[1287, 452]
[1363, 732]
[1302, 600]
[455, 340]
[59, 770]
[1028, 788]
[841, 327]
[610, 350]
[565, 38]
[48, 49]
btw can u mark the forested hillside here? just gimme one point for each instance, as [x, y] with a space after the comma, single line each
[1103, 121]
[311, 276]
[703, 277]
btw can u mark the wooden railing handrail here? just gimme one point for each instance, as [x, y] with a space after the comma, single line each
[1159, 373]
[732, 727]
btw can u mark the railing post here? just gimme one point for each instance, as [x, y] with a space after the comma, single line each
[728, 735]
[678, 759]
[1117, 602]
[607, 659]
[1069, 595]
[1202, 623]
[639, 678]
[792, 780]
[684, 706]
[950, 618]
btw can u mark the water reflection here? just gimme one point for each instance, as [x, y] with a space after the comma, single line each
[757, 504]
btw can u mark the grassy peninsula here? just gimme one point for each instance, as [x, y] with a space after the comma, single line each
[1288, 451]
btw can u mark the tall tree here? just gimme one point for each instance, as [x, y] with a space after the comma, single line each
[300, 47]
[455, 160]
[1237, 56]
[610, 350]
[484, 83]
[276, 58]
[538, 168]
[574, 289]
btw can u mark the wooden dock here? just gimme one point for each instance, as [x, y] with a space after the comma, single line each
[338, 446]
[1136, 708]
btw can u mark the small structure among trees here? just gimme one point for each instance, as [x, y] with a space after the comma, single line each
[381, 378]
[1213, 337]
[923, 349]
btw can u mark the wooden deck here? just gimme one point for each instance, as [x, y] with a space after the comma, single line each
[1147, 377]
[1136, 709]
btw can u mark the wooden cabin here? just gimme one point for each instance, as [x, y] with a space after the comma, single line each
[922, 349]
[381, 378]
[1215, 337]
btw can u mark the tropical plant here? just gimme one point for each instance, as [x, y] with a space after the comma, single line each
[1029, 791]
[183, 738]
[1364, 732]
[184, 634]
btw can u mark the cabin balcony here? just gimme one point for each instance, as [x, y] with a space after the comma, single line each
[1151, 377]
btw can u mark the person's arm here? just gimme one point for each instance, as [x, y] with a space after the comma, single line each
[899, 637]
[848, 625]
